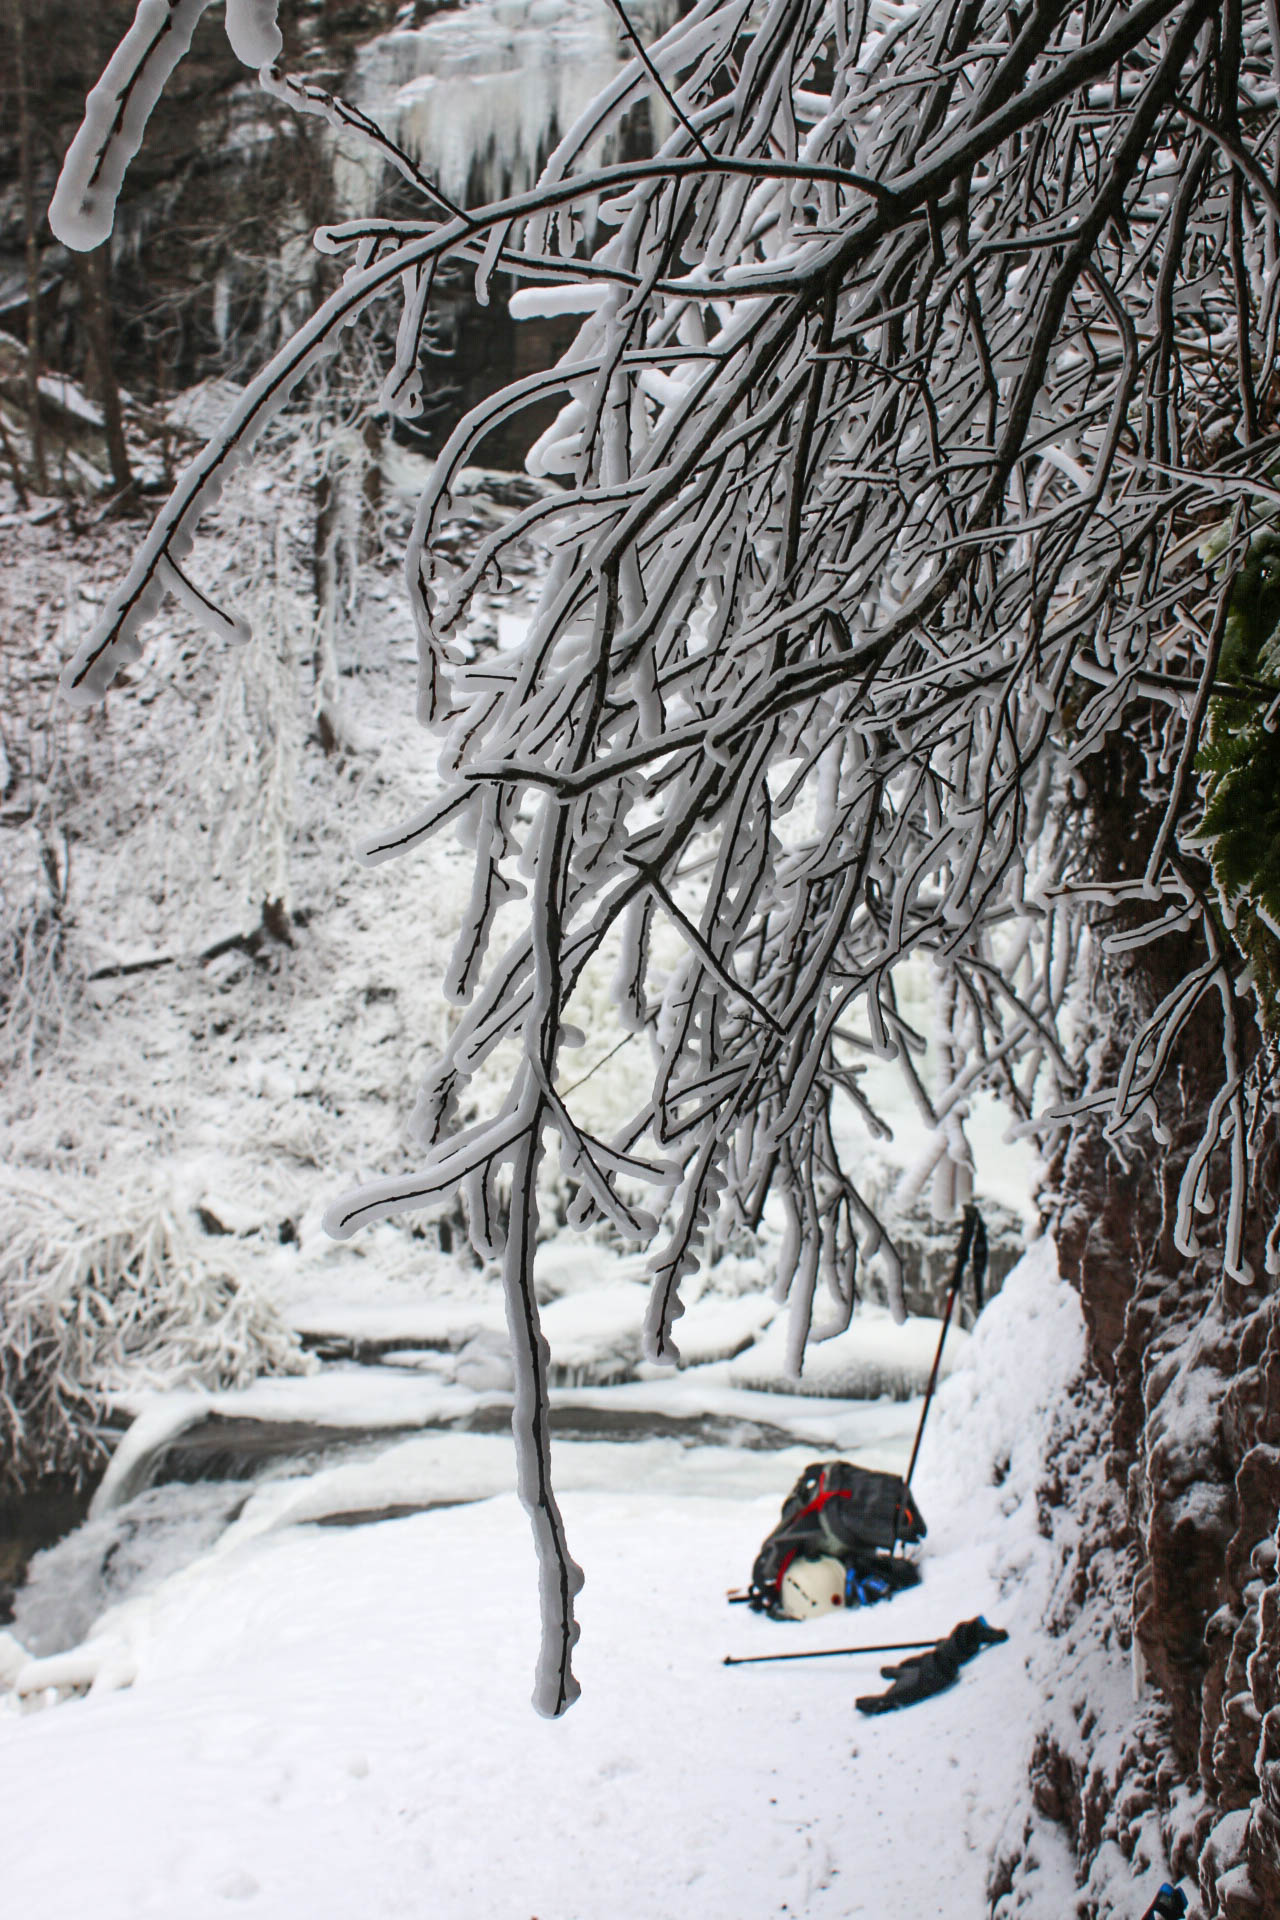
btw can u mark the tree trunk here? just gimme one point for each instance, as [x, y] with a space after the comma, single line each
[35, 428]
[324, 573]
[91, 271]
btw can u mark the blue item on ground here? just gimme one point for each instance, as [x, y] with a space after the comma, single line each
[1168, 1904]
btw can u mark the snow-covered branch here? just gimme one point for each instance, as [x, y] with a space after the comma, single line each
[905, 365]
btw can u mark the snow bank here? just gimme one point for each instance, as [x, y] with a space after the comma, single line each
[320, 1712]
[990, 1425]
[595, 1337]
[376, 1327]
[592, 1316]
[456, 1469]
[570, 1263]
[357, 1398]
[874, 1358]
[716, 1329]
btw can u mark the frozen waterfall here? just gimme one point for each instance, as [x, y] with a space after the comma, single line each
[480, 95]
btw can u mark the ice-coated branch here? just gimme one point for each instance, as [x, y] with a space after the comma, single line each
[83, 208]
[912, 367]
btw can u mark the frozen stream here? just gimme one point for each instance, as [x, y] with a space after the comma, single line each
[310, 1722]
[280, 1462]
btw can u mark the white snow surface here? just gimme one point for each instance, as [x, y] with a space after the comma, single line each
[330, 1721]
[873, 1357]
[544, 303]
[71, 397]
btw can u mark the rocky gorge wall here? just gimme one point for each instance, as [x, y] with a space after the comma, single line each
[1160, 1740]
[1164, 1502]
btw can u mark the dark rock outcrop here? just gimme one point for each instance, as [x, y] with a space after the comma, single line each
[1187, 1363]
[1171, 1550]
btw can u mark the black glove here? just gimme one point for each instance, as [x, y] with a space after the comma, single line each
[932, 1672]
[971, 1636]
[913, 1680]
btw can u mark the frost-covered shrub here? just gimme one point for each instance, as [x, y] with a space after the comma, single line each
[36, 987]
[106, 1292]
[34, 991]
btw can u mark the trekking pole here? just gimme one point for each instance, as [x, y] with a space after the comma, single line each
[826, 1653]
[973, 1240]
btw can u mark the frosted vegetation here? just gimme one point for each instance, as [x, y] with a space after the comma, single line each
[106, 1291]
[874, 498]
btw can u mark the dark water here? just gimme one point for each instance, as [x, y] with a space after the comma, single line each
[32, 1521]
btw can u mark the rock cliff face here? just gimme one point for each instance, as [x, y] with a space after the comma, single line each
[1192, 1421]
[1162, 1505]
[1172, 1487]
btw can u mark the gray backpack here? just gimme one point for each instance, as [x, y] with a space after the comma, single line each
[841, 1512]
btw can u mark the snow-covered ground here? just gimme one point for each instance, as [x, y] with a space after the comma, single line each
[302, 1705]
[332, 1720]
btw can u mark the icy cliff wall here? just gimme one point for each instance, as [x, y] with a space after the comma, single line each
[1165, 1505]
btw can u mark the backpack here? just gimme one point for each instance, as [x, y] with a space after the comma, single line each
[840, 1512]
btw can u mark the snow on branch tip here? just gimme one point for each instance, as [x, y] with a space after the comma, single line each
[82, 212]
